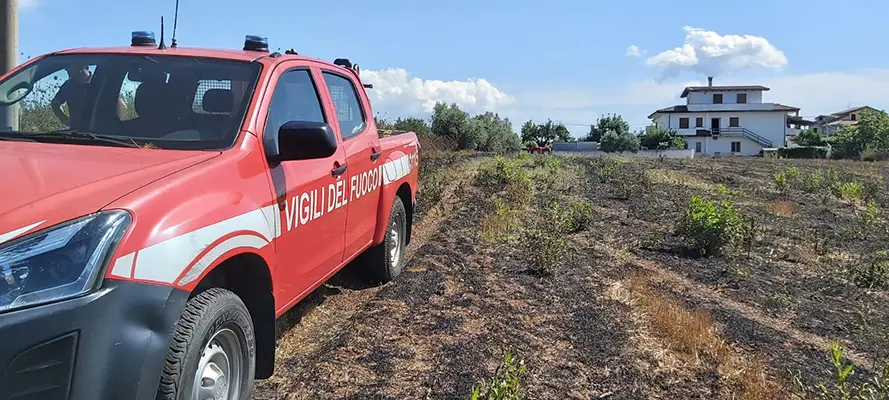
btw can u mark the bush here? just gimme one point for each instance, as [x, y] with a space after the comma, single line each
[545, 249]
[503, 174]
[658, 138]
[711, 226]
[802, 152]
[846, 191]
[842, 388]
[874, 275]
[814, 182]
[613, 142]
[870, 154]
[575, 218]
[506, 383]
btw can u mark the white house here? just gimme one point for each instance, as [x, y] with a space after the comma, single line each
[723, 120]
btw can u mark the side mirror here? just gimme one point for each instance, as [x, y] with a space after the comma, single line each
[302, 140]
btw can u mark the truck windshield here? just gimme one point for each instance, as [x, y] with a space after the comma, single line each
[169, 102]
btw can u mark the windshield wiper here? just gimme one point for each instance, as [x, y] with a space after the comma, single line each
[14, 137]
[121, 141]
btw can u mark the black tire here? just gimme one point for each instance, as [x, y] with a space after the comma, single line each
[378, 260]
[213, 314]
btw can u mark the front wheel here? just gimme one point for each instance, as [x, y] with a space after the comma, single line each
[213, 352]
[385, 261]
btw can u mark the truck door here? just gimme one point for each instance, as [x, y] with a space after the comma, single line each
[313, 219]
[362, 147]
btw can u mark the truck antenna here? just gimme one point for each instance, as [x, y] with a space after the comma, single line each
[175, 22]
[162, 46]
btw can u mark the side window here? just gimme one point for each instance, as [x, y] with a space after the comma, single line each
[348, 107]
[295, 99]
[203, 86]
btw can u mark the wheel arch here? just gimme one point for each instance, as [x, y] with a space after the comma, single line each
[404, 193]
[248, 275]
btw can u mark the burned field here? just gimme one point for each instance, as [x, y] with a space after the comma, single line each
[617, 278]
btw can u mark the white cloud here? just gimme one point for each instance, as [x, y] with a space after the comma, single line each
[707, 52]
[396, 91]
[634, 51]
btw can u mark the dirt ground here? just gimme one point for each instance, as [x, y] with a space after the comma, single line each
[587, 328]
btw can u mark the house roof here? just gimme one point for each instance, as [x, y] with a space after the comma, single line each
[849, 110]
[690, 89]
[842, 122]
[684, 109]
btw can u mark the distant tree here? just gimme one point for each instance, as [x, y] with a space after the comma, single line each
[616, 142]
[660, 138]
[452, 122]
[383, 123]
[609, 123]
[810, 137]
[416, 125]
[546, 133]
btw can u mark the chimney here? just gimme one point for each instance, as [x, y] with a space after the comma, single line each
[709, 81]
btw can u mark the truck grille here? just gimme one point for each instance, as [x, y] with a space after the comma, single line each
[41, 372]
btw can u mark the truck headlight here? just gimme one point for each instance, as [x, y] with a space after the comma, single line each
[60, 262]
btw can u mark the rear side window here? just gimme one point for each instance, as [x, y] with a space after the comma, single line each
[295, 99]
[203, 86]
[348, 107]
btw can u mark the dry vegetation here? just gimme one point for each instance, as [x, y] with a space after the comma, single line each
[548, 277]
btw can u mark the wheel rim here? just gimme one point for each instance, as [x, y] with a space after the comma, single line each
[395, 236]
[219, 370]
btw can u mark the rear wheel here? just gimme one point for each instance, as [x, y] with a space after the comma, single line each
[385, 261]
[213, 352]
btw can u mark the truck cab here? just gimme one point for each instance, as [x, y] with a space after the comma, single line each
[162, 207]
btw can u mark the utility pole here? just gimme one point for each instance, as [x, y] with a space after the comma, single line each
[9, 28]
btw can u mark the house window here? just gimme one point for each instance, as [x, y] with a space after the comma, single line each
[717, 98]
[683, 123]
[736, 147]
[853, 117]
[697, 147]
[742, 98]
[699, 122]
[734, 122]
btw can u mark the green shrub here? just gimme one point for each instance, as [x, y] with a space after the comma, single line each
[874, 275]
[814, 182]
[506, 175]
[870, 154]
[574, 218]
[506, 384]
[872, 189]
[725, 192]
[846, 191]
[802, 152]
[711, 226]
[842, 388]
[780, 179]
[545, 249]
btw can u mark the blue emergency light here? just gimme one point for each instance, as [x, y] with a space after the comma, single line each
[256, 43]
[143, 38]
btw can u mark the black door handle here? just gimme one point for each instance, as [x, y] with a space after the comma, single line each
[374, 156]
[336, 172]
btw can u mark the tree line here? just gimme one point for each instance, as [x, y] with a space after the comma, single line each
[490, 132]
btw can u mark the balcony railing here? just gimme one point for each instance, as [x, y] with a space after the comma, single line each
[738, 131]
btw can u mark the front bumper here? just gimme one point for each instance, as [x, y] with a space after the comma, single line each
[110, 344]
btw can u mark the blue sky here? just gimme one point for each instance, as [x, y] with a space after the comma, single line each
[565, 60]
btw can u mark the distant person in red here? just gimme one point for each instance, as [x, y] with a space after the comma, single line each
[74, 93]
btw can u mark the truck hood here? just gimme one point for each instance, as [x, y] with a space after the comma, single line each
[44, 184]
